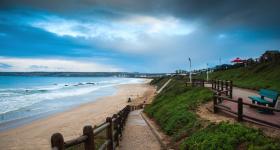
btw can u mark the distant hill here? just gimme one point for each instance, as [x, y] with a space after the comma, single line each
[263, 75]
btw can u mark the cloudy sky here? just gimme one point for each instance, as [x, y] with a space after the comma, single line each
[133, 35]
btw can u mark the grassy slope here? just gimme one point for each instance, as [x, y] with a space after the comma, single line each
[159, 82]
[173, 109]
[254, 77]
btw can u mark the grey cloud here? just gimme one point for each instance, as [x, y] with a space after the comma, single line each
[221, 13]
[252, 26]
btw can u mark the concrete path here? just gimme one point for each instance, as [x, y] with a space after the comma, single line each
[165, 84]
[253, 112]
[137, 134]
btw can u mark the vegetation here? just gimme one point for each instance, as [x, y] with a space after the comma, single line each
[264, 75]
[229, 136]
[159, 82]
[173, 109]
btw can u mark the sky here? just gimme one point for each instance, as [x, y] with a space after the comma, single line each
[133, 35]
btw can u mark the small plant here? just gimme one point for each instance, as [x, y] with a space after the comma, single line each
[228, 136]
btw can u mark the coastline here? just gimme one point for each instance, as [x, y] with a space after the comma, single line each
[36, 135]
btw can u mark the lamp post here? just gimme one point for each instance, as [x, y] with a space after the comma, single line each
[207, 73]
[190, 70]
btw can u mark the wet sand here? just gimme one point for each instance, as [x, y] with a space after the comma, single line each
[36, 135]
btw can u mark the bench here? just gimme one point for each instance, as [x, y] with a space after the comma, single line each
[267, 98]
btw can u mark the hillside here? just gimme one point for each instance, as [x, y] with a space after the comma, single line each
[265, 75]
[174, 111]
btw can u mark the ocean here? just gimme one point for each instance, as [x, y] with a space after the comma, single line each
[24, 99]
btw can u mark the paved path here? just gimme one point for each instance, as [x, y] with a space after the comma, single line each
[165, 84]
[137, 134]
[253, 112]
[244, 94]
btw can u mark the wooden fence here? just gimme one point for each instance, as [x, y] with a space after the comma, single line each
[196, 82]
[223, 87]
[217, 99]
[113, 127]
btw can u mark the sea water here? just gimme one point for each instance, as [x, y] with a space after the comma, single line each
[24, 98]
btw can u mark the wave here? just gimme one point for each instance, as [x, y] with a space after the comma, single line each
[18, 98]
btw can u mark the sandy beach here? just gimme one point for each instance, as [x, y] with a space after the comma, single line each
[36, 135]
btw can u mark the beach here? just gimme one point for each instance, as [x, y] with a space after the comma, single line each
[36, 135]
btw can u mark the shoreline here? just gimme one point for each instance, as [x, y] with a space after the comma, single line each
[18, 122]
[36, 135]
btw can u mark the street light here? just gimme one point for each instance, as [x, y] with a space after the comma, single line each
[207, 76]
[190, 70]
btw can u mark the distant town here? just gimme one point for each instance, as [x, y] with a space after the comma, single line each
[268, 56]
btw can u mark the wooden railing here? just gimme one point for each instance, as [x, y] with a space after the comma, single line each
[217, 99]
[136, 107]
[223, 87]
[112, 129]
[196, 82]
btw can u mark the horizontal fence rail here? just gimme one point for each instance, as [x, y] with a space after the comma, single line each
[196, 82]
[217, 99]
[113, 127]
[223, 87]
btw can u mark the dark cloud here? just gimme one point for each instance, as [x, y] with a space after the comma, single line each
[221, 13]
[27, 41]
[224, 28]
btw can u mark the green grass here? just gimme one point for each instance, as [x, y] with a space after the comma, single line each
[266, 75]
[226, 136]
[173, 110]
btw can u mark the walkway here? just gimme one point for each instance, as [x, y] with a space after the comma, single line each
[253, 112]
[137, 134]
[165, 84]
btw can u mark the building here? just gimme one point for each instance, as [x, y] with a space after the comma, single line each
[270, 56]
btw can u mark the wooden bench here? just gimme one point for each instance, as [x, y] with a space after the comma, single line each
[267, 98]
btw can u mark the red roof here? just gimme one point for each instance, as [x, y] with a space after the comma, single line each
[237, 60]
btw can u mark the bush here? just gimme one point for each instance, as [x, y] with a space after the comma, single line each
[228, 136]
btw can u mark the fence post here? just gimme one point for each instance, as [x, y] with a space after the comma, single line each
[239, 109]
[218, 88]
[110, 146]
[121, 122]
[215, 84]
[212, 84]
[219, 99]
[57, 141]
[222, 85]
[227, 88]
[89, 143]
[116, 127]
[230, 92]
[192, 83]
[203, 83]
[215, 109]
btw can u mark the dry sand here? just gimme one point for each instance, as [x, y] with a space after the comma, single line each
[36, 135]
